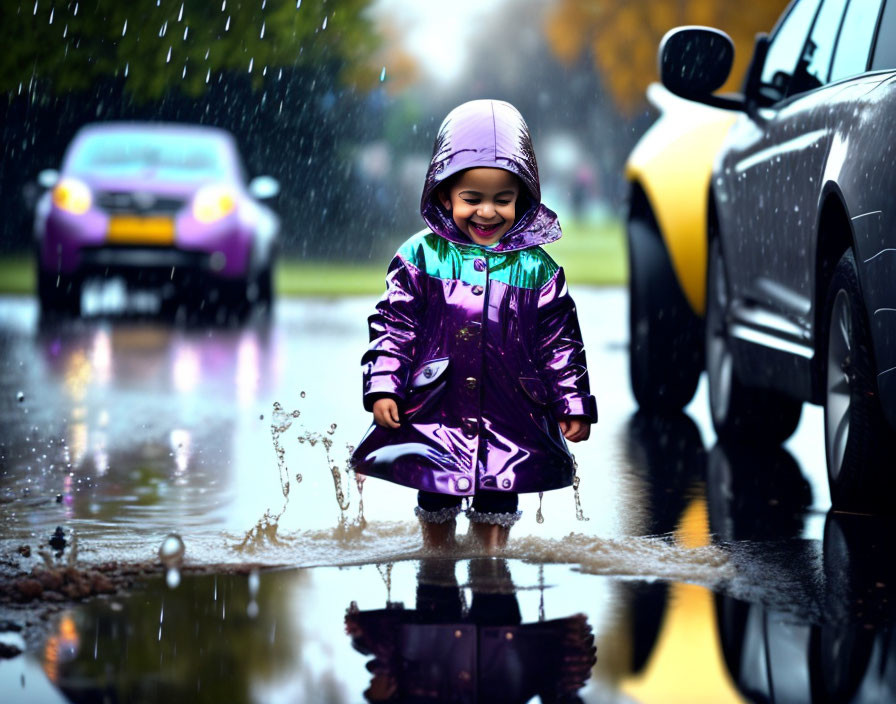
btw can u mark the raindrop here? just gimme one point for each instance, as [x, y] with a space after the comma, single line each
[168, 60]
[35, 7]
[539, 516]
[227, 24]
[65, 32]
[124, 29]
[20, 396]
[208, 75]
[298, 4]
[126, 67]
[186, 31]
[254, 581]
[324, 25]
[76, 7]
[223, 5]
[180, 15]
[171, 553]
[261, 36]
[207, 51]
[302, 394]
[383, 74]
[52, 12]
[163, 29]
[184, 73]
[251, 63]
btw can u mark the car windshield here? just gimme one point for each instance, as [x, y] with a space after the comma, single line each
[176, 157]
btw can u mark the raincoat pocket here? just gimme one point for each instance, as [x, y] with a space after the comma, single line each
[535, 390]
[428, 374]
[426, 381]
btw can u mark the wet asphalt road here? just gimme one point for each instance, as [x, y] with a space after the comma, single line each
[121, 428]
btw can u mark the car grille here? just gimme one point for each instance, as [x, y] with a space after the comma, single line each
[138, 202]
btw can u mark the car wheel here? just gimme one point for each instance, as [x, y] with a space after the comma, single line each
[264, 288]
[59, 294]
[666, 355]
[739, 412]
[855, 430]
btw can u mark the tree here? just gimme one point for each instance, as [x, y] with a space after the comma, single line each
[69, 47]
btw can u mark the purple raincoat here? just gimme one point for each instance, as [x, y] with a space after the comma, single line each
[480, 346]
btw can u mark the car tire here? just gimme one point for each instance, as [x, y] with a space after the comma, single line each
[59, 294]
[857, 437]
[666, 354]
[740, 413]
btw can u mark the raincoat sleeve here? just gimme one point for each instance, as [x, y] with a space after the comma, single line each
[393, 334]
[561, 353]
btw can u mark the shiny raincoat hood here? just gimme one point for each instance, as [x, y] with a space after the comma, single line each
[488, 134]
[480, 346]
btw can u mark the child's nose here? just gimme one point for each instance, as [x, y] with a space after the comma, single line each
[486, 210]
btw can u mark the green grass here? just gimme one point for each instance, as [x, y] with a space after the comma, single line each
[592, 254]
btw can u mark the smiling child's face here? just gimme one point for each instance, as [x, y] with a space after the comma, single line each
[482, 202]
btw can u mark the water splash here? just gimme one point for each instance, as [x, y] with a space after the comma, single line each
[539, 516]
[580, 514]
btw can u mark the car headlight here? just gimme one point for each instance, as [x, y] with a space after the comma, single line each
[72, 196]
[213, 203]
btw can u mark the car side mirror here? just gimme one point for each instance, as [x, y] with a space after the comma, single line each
[264, 187]
[48, 178]
[695, 61]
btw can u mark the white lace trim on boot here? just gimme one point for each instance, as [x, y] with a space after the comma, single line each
[496, 519]
[441, 516]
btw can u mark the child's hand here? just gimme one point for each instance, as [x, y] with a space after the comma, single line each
[575, 429]
[385, 412]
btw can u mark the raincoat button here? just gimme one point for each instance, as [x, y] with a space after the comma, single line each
[506, 483]
[477, 290]
[479, 264]
[463, 484]
[471, 382]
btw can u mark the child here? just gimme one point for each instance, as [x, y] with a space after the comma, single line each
[476, 369]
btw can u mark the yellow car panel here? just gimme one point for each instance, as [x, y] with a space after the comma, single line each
[673, 164]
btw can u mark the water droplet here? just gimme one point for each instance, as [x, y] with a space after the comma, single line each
[261, 36]
[251, 63]
[298, 4]
[324, 25]
[168, 59]
[227, 24]
[539, 516]
[20, 396]
[124, 29]
[302, 394]
[171, 551]
[180, 15]
[172, 578]
[332, 428]
[383, 74]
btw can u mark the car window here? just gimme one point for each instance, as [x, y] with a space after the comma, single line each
[184, 157]
[854, 44]
[820, 47]
[885, 46]
[785, 49]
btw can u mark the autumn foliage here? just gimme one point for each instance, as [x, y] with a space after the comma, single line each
[622, 36]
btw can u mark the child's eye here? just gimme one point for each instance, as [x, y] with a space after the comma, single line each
[471, 201]
[503, 202]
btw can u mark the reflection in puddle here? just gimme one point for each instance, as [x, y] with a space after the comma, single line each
[447, 650]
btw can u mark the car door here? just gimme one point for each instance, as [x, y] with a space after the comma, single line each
[774, 167]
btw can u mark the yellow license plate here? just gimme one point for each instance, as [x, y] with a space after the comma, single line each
[129, 229]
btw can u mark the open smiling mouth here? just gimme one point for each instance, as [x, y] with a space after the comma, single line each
[485, 230]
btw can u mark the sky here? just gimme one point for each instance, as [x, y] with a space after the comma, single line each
[436, 31]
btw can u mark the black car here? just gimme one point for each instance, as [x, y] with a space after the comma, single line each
[801, 275]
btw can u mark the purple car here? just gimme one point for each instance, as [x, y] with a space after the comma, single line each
[160, 205]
